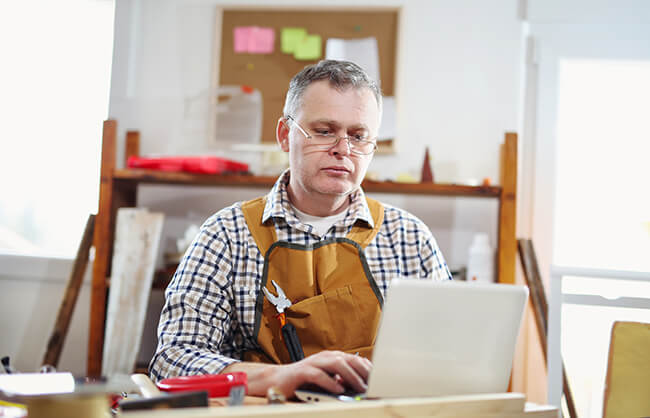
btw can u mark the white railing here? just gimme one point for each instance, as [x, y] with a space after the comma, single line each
[557, 298]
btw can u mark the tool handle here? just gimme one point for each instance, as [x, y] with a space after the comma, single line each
[292, 342]
[146, 386]
[217, 385]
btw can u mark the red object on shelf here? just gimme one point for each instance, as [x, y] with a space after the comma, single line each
[204, 164]
[217, 385]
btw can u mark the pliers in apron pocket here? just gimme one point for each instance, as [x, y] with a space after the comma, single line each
[289, 334]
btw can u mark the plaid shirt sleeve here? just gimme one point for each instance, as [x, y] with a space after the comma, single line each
[433, 265]
[405, 247]
[197, 314]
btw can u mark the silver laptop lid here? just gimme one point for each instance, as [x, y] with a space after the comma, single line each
[446, 338]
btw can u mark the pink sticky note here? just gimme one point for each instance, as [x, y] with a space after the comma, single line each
[261, 40]
[242, 38]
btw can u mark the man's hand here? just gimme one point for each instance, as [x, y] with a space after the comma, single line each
[327, 369]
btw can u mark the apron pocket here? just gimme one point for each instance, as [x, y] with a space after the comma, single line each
[345, 318]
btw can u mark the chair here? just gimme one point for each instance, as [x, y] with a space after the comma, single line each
[627, 386]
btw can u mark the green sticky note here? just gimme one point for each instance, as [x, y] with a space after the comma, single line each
[308, 49]
[291, 37]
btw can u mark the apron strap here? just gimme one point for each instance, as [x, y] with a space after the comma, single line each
[363, 235]
[264, 235]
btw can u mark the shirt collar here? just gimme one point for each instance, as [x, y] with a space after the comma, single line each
[278, 206]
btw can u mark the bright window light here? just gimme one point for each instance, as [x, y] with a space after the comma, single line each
[602, 207]
[602, 204]
[55, 82]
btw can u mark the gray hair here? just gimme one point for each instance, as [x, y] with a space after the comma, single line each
[340, 74]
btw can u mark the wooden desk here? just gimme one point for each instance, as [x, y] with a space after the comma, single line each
[503, 405]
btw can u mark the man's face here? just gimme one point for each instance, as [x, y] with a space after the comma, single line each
[329, 170]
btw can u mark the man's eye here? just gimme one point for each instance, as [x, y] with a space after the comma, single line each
[359, 137]
[322, 132]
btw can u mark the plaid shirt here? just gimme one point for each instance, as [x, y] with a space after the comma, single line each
[208, 319]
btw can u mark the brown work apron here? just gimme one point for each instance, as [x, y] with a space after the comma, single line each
[336, 304]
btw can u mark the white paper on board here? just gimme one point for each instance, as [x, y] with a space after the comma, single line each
[363, 52]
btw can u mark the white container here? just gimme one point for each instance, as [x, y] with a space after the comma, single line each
[225, 116]
[238, 115]
[480, 263]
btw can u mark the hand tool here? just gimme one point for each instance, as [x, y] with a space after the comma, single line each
[289, 334]
[234, 385]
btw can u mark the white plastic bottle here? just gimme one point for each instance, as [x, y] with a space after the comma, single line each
[480, 263]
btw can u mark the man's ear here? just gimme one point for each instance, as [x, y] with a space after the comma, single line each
[282, 134]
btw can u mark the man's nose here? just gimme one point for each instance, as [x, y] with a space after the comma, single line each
[342, 146]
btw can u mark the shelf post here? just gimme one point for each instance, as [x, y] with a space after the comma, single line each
[113, 194]
[508, 211]
[132, 146]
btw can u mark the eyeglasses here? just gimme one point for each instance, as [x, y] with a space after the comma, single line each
[357, 144]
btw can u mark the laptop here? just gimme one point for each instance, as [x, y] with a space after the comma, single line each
[442, 338]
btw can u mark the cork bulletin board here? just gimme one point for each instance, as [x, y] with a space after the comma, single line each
[271, 73]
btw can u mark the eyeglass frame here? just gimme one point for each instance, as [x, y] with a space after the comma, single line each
[338, 139]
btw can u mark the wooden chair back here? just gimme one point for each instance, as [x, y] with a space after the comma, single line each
[627, 386]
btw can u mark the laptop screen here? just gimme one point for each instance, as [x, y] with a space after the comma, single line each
[446, 338]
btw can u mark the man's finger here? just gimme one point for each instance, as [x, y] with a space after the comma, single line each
[318, 377]
[340, 364]
[362, 366]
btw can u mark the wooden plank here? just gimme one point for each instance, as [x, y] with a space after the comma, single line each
[64, 316]
[540, 310]
[533, 281]
[137, 237]
[103, 242]
[507, 249]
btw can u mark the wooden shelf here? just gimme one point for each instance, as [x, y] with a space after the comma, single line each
[140, 176]
[119, 188]
[434, 189]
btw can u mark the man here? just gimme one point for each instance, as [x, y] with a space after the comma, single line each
[315, 238]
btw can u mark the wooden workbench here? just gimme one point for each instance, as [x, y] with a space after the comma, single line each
[504, 405]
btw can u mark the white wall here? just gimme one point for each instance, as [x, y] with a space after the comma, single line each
[32, 290]
[587, 11]
[458, 76]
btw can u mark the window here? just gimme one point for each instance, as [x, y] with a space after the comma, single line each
[602, 207]
[55, 83]
[602, 210]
